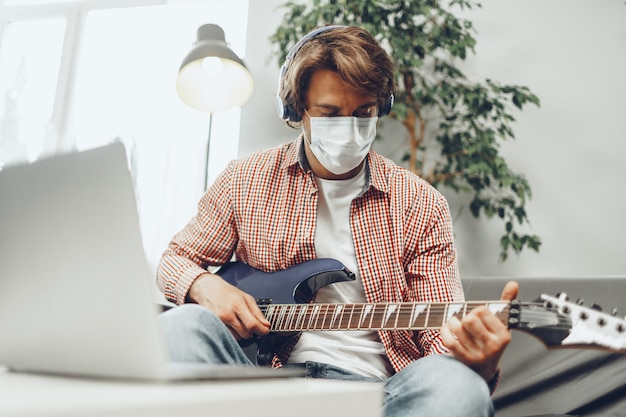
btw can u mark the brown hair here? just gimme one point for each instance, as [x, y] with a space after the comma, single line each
[352, 52]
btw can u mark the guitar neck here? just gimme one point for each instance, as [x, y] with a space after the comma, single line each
[372, 316]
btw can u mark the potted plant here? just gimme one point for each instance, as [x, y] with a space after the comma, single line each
[455, 125]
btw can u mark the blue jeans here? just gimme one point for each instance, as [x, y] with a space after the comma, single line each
[436, 385]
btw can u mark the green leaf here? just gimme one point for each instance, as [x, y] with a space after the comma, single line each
[464, 121]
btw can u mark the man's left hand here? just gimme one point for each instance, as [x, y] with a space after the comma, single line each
[479, 339]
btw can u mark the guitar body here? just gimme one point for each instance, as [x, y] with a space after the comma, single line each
[294, 285]
[290, 286]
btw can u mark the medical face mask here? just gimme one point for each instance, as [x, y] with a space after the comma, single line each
[340, 144]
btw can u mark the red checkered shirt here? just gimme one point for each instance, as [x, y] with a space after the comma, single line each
[263, 209]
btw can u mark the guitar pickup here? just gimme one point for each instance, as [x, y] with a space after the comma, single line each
[264, 301]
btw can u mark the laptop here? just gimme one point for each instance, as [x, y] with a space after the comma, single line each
[76, 294]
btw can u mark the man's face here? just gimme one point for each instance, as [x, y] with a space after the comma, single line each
[329, 96]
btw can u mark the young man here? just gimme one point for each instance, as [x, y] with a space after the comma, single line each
[328, 195]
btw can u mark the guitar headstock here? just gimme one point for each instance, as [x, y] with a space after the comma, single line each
[561, 323]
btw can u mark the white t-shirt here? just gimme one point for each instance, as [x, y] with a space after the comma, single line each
[357, 351]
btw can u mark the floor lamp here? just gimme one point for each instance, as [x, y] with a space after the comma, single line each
[212, 78]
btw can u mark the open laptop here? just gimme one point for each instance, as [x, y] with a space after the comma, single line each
[76, 295]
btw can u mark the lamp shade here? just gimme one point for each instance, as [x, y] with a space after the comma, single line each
[212, 77]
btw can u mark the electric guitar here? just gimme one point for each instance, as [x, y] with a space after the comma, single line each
[284, 296]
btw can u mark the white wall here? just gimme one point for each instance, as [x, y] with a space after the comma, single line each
[572, 54]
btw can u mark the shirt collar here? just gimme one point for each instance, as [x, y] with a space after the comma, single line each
[374, 166]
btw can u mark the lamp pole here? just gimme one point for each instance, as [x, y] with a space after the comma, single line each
[208, 151]
[212, 78]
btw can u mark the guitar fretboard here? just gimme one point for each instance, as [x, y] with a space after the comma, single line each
[372, 316]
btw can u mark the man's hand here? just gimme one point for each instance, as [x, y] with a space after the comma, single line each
[237, 310]
[479, 339]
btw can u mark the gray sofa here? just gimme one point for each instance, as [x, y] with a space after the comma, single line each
[537, 381]
[574, 381]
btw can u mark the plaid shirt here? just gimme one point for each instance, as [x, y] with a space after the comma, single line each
[263, 208]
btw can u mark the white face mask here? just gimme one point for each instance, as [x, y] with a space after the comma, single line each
[340, 144]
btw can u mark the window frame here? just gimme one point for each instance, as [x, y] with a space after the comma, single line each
[75, 14]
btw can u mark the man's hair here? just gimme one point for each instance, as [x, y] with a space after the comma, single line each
[352, 52]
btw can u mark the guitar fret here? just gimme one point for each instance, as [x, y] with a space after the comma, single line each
[441, 315]
[313, 318]
[275, 314]
[398, 310]
[325, 308]
[332, 311]
[336, 314]
[452, 309]
[306, 319]
[303, 308]
[290, 316]
[372, 316]
[269, 315]
[365, 310]
[416, 312]
[389, 310]
[401, 316]
[282, 316]
[348, 325]
[405, 313]
[282, 313]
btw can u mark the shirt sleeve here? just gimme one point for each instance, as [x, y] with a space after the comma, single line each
[432, 271]
[208, 239]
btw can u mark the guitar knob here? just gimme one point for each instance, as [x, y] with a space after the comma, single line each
[562, 296]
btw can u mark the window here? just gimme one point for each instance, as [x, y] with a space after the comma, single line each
[29, 71]
[80, 74]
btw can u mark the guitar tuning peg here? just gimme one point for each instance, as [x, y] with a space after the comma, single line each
[596, 307]
[562, 296]
[614, 312]
[580, 301]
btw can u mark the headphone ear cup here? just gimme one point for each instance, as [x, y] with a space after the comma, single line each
[285, 111]
[294, 116]
[280, 108]
[386, 109]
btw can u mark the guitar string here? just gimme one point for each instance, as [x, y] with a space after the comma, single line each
[287, 313]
